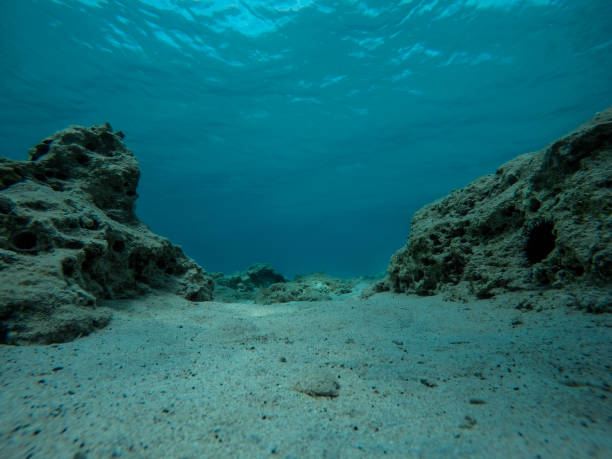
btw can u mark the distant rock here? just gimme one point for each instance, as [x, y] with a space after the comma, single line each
[69, 237]
[308, 287]
[542, 222]
[244, 285]
[261, 284]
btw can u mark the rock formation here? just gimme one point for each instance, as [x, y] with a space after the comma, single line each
[541, 223]
[261, 284]
[244, 285]
[69, 237]
[306, 287]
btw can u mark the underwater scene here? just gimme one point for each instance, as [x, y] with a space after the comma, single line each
[305, 228]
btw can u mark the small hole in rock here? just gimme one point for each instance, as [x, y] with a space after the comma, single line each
[82, 159]
[3, 334]
[541, 240]
[119, 246]
[92, 146]
[25, 240]
[68, 265]
[41, 149]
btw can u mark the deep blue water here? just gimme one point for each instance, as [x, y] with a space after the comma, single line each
[303, 133]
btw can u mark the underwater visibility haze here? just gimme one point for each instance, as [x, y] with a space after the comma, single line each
[303, 133]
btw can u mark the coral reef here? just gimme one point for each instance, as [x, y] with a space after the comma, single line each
[543, 221]
[69, 237]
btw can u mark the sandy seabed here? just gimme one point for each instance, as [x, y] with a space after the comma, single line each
[394, 375]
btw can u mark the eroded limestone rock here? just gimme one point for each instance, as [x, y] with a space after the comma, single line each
[542, 221]
[69, 237]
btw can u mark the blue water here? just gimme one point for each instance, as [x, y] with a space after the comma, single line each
[303, 133]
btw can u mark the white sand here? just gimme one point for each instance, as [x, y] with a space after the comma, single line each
[418, 377]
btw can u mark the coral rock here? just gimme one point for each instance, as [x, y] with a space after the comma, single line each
[542, 221]
[69, 237]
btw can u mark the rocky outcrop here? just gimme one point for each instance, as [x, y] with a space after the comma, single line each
[69, 237]
[261, 284]
[244, 285]
[306, 287]
[542, 222]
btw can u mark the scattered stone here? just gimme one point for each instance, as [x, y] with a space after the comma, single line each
[468, 423]
[318, 384]
[543, 221]
[428, 383]
[477, 401]
[69, 237]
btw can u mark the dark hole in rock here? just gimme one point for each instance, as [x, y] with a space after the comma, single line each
[161, 264]
[74, 244]
[40, 177]
[119, 246]
[541, 239]
[61, 176]
[3, 334]
[92, 146]
[534, 204]
[25, 240]
[82, 159]
[435, 239]
[169, 271]
[49, 173]
[68, 266]
[57, 186]
[87, 263]
[428, 261]
[41, 149]
[512, 179]
[6, 205]
[484, 294]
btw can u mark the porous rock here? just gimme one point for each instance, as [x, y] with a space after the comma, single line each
[69, 237]
[542, 222]
[244, 285]
[305, 287]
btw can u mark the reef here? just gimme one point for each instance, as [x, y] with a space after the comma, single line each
[307, 287]
[261, 284]
[69, 239]
[541, 224]
[244, 285]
